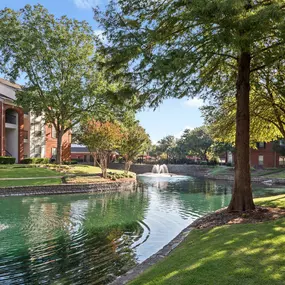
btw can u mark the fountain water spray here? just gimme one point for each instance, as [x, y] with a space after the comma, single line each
[160, 169]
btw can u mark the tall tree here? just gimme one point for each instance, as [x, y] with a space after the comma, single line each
[166, 145]
[58, 59]
[100, 138]
[196, 142]
[183, 48]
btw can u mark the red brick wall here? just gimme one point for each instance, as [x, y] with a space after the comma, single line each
[51, 143]
[270, 158]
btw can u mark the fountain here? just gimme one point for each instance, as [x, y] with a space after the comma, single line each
[160, 169]
[161, 172]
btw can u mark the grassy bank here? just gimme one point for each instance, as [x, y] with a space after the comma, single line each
[40, 172]
[249, 254]
[266, 173]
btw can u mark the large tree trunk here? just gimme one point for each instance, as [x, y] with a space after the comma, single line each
[58, 147]
[242, 195]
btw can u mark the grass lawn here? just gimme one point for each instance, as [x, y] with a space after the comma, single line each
[221, 170]
[267, 173]
[275, 201]
[15, 171]
[27, 172]
[31, 182]
[248, 254]
[89, 169]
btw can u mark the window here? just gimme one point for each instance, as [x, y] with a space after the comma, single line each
[53, 151]
[53, 132]
[261, 145]
[282, 142]
[38, 130]
[38, 151]
[260, 160]
[26, 135]
[281, 160]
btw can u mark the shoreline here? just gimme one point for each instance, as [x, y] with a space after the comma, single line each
[59, 189]
[205, 221]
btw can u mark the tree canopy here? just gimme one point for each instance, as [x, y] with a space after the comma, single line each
[101, 138]
[59, 61]
[208, 48]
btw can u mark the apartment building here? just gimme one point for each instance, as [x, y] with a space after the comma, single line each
[263, 156]
[22, 134]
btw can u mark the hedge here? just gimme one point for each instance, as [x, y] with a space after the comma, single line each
[36, 160]
[7, 160]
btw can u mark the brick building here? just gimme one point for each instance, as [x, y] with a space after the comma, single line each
[23, 134]
[263, 156]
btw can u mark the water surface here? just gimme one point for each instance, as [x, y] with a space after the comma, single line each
[89, 239]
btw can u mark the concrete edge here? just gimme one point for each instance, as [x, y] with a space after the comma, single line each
[68, 188]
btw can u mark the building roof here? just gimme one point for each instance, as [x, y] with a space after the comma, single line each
[5, 97]
[10, 84]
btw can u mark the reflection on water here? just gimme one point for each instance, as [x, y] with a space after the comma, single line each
[89, 239]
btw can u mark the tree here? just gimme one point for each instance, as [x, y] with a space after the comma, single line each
[196, 142]
[135, 140]
[59, 62]
[100, 139]
[183, 48]
[267, 109]
[166, 145]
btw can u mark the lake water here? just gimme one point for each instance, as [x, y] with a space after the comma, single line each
[91, 238]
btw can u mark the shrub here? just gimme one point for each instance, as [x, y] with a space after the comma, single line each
[27, 161]
[212, 162]
[114, 176]
[7, 160]
[73, 161]
[229, 164]
[35, 160]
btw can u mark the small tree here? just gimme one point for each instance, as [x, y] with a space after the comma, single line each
[134, 141]
[100, 138]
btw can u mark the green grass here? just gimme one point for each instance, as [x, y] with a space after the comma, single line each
[221, 170]
[14, 171]
[27, 172]
[248, 254]
[31, 182]
[274, 201]
[89, 169]
[266, 173]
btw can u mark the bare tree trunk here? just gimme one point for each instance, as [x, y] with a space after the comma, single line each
[128, 164]
[94, 154]
[103, 157]
[242, 195]
[58, 147]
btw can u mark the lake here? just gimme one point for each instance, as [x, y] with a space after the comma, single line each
[92, 238]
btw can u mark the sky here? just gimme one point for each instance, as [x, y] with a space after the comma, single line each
[171, 117]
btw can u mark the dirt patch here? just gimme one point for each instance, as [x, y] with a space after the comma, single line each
[223, 217]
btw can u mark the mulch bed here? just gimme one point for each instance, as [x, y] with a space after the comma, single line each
[223, 217]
